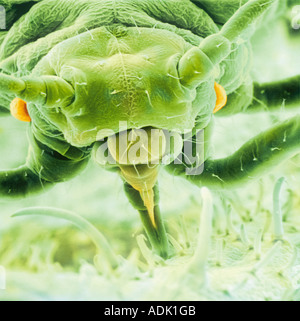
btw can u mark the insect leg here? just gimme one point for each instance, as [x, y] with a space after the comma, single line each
[4, 111]
[273, 96]
[256, 157]
[276, 95]
[20, 182]
[43, 168]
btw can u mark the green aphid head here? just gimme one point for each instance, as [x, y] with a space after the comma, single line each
[123, 75]
[88, 84]
[146, 77]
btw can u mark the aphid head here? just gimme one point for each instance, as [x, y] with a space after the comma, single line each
[137, 76]
[145, 77]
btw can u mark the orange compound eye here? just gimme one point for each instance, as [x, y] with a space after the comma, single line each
[221, 97]
[18, 109]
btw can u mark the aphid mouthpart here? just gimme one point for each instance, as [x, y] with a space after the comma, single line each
[142, 178]
[148, 145]
[138, 146]
[156, 234]
[138, 153]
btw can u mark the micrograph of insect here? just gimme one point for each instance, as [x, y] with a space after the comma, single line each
[137, 85]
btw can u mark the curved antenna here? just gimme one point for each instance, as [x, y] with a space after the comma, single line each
[234, 29]
[11, 84]
[49, 91]
[198, 63]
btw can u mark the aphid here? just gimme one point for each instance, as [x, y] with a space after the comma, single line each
[78, 69]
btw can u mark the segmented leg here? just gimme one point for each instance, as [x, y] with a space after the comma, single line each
[43, 168]
[4, 111]
[20, 182]
[276, 95]
[273, 96]
[255, 158]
